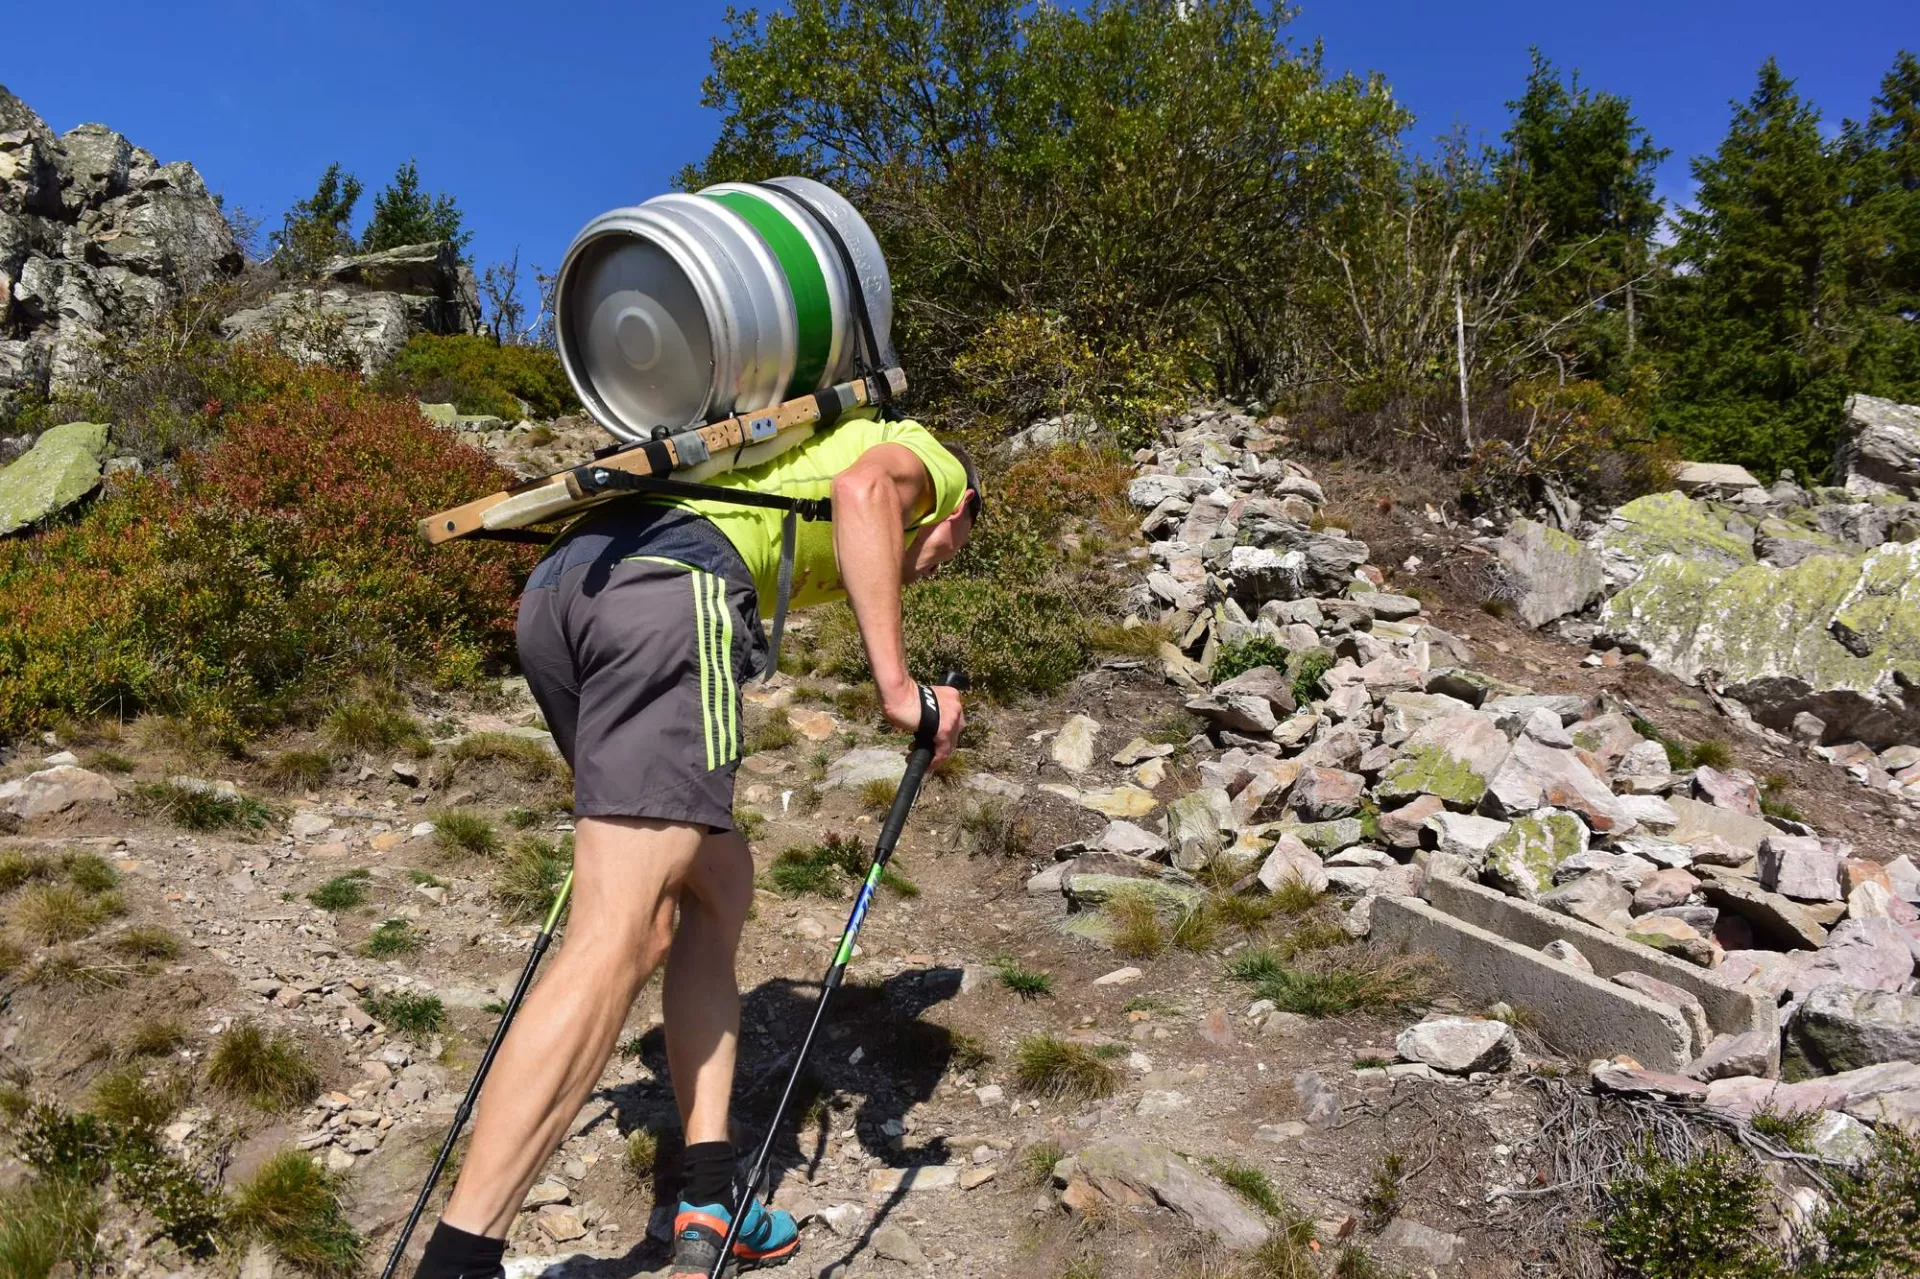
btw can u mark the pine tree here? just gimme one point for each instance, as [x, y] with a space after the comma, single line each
[317, 227]
[1580, 163]
[404, 214]
[1883, 200]
[1758, 327]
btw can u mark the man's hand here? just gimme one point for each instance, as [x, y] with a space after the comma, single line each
[902, 708]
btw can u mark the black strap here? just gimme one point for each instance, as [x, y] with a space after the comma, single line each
[867, 365]
[929, 730]
[525, 536]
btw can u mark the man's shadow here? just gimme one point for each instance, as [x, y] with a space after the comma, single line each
[874, 1056]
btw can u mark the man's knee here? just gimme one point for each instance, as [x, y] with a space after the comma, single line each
[721, 880]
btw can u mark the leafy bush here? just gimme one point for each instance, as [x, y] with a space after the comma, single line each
[1239, 658]
[1578, 437]
[478, 375]
[276, 566]
[1695, 1219]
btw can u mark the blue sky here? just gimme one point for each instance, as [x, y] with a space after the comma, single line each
[537, 117]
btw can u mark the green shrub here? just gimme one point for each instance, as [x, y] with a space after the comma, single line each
[365, 725]
[1239, 658]
[478, 375]
[1028, 983]
[299, 769]
[1307, 673]
[191, 1212]
[271, 570]
[1700, 1218]
[63, 1146]
[296, 1209]
[270, 1070]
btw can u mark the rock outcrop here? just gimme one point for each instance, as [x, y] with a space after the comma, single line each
[96, 235]
[366, 307]
[1879, 449]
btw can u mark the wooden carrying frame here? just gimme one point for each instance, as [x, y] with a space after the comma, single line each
[566, 493]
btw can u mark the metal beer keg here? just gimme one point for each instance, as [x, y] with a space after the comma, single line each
[689, 308]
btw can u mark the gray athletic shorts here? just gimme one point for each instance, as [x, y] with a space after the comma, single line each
[636, 657]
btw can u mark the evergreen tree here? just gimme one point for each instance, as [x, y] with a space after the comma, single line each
[1579, 162]
[404, 214]
[1883, 202]
[317, 227]
[1757, 330]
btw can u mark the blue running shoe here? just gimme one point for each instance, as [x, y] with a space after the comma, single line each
[767, 1238]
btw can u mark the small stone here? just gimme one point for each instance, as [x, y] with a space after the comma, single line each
[1120, 977]
[884, 1182]
[1800, 867]
[560, 1224]
[1458, 1045]
[1319, 1099]
[1073, 744]
[892, 1242]
[548, 1190]
[1662, 889]
[1565, 952]
[1160, 1103]
[990, 1095]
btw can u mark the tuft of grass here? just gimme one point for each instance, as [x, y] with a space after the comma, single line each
[296, 1208]
[1315, 932]
[342, 892]
[531, 759]
[1710, 754]
[824, 869]
[1792, 1129]
[877, 795]
[154, 1037]
[104, 761]
[1129, 641]
[411, 1014]
[1354, 1262]
[643, 1155]
[204, 808]
[749, 823]
[146, 941]
[392, 937]
[424, 877]
[1243, 912]
[91, 874]
[1037, 1161]
[1371, 1061]
[50, 914]
[363, 725]
[995, 829]
[1381, 1199]
[47, 1226]
[126, 1098]
[459, 831]
[775, 732]
[1028, 983]
[269, 1069]
[966, 1052]
[858, 701]
[299, 770]
[1327, 982]
[1497, 608]
[1195, 930]
[529, 880]
[1135, 921]
[17, 868]
[1050, 1066]
[1249, 1183]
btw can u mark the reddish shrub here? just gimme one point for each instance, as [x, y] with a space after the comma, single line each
[276, 566]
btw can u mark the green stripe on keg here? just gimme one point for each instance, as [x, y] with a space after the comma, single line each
[813, 313]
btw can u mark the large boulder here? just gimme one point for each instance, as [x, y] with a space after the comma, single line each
[1837, 637]
[1843, 1028]
[62, 467]
[1127, 1172]
[1548, 574]
[1666, 524]
[1879, 448]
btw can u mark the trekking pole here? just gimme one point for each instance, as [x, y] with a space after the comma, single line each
[461, 1115]
[903, 798]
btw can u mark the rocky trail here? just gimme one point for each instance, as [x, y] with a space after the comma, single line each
[1177, 956]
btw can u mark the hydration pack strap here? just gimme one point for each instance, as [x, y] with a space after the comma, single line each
[600, 479]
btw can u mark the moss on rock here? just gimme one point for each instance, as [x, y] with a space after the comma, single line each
[1522, 861]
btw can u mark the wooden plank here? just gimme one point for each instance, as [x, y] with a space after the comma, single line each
[556, 496]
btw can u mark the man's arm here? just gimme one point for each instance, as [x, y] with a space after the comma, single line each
[873, 502]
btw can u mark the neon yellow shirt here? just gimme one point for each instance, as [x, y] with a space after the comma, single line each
[808, 471]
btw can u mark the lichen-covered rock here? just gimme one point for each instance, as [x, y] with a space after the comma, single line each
[1843, 1028]
[62, 467]
[1836, 637]
[1673, 937]
[1453, 757]
[1522, 861]
[1879, 449]
[1549, 574]
[1197, 825]
[1666, 524]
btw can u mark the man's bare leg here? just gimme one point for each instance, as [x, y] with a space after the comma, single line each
[702, 997]
[628, 874]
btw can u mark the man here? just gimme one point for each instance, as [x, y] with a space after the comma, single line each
[636, 631]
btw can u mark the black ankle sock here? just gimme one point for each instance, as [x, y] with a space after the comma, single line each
[452, 1253]
[707, 1169]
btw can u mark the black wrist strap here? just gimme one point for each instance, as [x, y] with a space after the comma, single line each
[929, 729]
